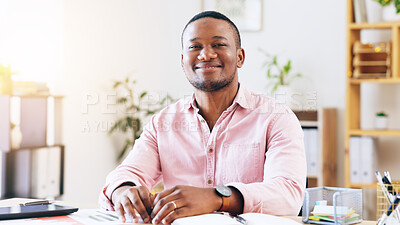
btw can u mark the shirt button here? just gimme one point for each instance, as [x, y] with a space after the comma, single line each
[209, 181]
[210, 150]
[202, 121]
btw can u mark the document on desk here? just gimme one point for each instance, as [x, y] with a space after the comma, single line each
[222, 219]
[82, 217]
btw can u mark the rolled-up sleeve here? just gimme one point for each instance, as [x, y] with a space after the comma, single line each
[141, 166]
[281, 191]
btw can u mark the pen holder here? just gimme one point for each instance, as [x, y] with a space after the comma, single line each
[339, 200]
[382, 203]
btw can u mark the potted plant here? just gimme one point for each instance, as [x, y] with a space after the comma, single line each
[381, 120]
[396, 4]
[135, 110]
[278, 74]
[391, 13]
[5, 80]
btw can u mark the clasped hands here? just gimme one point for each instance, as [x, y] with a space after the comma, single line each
[165, 207]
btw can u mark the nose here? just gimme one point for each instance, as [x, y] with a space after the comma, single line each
[206, 54]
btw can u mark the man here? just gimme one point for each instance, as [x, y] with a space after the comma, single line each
[247, 145]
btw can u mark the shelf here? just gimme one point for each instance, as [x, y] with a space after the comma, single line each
[374, 132]
[372, 80]
[363, 185]
[37, 147]
[324, 123]
[370, 66]
[383, 25]
[34, 96]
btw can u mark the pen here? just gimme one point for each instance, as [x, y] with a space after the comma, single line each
[240, 219]
[384, 190]
[235, 217]
[387, 174]
[41, 202]
[389, 196]
[386, 181]
[389, 211]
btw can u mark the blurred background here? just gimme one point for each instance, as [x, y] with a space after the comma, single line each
[77, 49]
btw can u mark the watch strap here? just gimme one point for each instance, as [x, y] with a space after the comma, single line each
[225, 204]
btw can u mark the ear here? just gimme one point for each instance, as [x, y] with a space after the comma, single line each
[240, 57]
[182, 61]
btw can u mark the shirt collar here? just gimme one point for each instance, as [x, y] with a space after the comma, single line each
[242, 98]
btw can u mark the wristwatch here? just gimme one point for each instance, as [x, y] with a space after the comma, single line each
[225, 192]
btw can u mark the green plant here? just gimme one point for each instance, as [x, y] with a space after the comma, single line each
[381, 114]
[135, 110]
[6, 71]
[278, 74]
[387, 2]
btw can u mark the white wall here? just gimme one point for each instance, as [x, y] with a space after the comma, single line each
[105, 40]
[30, 38]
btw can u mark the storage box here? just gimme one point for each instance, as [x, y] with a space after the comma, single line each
[372, 60]
[338, 198]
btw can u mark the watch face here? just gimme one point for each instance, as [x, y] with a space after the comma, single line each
[223, 190]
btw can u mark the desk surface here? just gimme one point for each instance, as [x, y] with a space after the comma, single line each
[17, 201]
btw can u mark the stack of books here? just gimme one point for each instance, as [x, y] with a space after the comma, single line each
[30, 88]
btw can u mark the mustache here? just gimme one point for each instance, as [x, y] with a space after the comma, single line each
[207, 64]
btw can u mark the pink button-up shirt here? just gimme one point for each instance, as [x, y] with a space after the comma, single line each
[256, 146]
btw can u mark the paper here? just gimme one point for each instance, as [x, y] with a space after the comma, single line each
[329, 210]
[220, 219]
[98, 216]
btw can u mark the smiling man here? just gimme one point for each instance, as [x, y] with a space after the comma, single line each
[223, 149]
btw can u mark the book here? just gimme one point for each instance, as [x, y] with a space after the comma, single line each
[312, 151]
[224, 219]
[355, 165]
[368, 159]
[340, 220]
[360, 14]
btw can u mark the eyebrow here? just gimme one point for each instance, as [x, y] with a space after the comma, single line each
[215, 37]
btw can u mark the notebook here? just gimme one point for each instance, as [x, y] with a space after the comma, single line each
[223, 219]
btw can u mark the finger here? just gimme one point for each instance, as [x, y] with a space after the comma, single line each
[152, 197]
[138, 205]
[145, 195]
[129, 209]
[167, 209]
[163, 194]
[120, 212]
[177, 213]
[162, 198]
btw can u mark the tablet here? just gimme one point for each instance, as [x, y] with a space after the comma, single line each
[32, 211]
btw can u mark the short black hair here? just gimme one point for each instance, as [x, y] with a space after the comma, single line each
[215, 15]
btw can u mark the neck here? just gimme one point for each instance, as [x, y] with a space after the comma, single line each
[213, 104]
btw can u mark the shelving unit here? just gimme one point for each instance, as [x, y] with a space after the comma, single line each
[325, 122]
[353, 85]
[33, 168]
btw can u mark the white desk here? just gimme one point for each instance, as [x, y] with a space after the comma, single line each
[17, 201]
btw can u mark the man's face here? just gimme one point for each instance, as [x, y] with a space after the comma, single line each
[210, 57]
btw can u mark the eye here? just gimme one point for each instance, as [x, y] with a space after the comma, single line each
[194, 47]
[219, 45]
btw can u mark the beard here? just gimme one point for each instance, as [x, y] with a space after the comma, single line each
[211, 85]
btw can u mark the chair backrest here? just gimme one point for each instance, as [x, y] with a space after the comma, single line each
[301, 209]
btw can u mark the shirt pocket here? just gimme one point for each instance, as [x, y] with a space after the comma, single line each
[242, 163]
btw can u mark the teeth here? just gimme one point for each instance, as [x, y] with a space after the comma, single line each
[208, 67]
